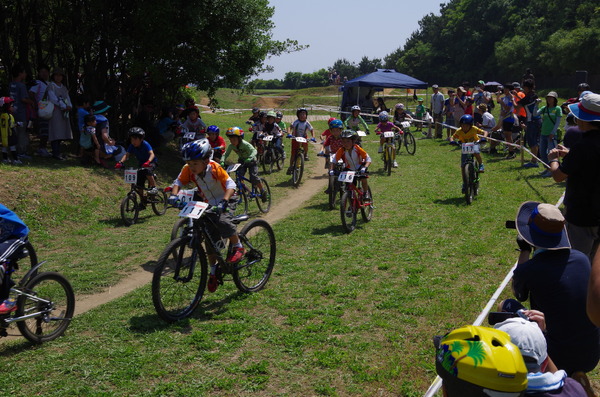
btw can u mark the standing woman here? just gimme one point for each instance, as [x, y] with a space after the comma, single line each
[60, 125]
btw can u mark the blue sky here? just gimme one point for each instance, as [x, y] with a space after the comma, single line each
[348, 29]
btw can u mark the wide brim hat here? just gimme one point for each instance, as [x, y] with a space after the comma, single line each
[100, 107]
[542, 225]
[588, 109]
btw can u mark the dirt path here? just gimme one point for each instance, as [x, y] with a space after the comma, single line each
[280, 210]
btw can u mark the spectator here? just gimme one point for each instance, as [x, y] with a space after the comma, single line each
[84, 107]
[519, 110]
[38, 92]
[480, 97]
[529, 338]
[551, 114]
[59, 126]
[108, 146]
[195, 124]
[555, 280]
[573, 133]
[488, 122]
[166, 124]
[533, 122]
[190, 104]
[479, 361]
[461, 103]
[449, 105]
[507, 116]
[420, 113]
[8, 131]
[528, 76]
[437, 108]
[18, 92]
[581, 168]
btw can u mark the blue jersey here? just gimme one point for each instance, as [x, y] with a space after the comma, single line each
[11, 226]
[142, 153]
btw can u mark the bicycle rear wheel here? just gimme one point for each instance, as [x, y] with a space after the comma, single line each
[410, 143]
[253, 272]
[241, 206]
[130, 209]
[367, 211]
[50, 294]
[264, 206]
[298, 169]
[179, 279]
[159, 202]
[347, 212]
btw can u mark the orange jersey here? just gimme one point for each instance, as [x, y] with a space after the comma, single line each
[354, 158]
[213, 184]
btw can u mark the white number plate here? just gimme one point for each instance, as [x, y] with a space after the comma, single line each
[468, 148]
[346, 176]
[268, 138]
[193, 209]
[388, 134]
[185, 196]
[300, 139]
[361, 133]
[130, 175]
[405, 124]
[190, 135]
[233, 168]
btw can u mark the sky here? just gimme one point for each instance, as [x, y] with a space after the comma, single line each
[336, 29]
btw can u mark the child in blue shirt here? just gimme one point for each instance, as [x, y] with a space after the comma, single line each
[146, 159]
[13, 235]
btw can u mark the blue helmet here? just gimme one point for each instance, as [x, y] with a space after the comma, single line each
[196, 150]
[336, 124]
[466, 119]
[213, 129]
[384, 116]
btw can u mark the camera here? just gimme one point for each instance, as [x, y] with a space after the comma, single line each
[498, 317]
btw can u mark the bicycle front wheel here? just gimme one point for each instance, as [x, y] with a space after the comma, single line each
[51, 297]
[410, 143]
[388, 159]
[129, 210]
[253, 272]
[179, 279]
[333, 191]
[263, 199]
[159, 202]
[298, 169]
[468, 175]
[179, 228]
[241, 206]
[347, 212]
[367, 210]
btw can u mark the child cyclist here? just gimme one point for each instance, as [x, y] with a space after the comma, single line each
[246, 157]
[386, 125]
[354, 157]
[216, 185]
[299, 128]
[334, 141]
[272, 128]
[216, 142]
[355, 121]
[8, 131]
[194, 123]
[146, 159]
[469, 133]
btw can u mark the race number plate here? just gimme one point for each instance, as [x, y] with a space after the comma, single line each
[268, 138]
[405, 124]
[193, 209]
[190, 135]
[388, 134]
[361, 133]
[233, 168]
[185, 196]
[130, 175]
[468, 148]
[346, 176]
[300, 139]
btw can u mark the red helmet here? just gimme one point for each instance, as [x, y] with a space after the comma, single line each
[6, 100]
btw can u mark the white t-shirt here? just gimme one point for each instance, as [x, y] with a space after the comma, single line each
[300, 128]
[488, 121]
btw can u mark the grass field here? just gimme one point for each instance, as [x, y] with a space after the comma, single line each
[342, 314]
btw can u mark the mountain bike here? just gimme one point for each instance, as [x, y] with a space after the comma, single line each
[389, 151]
[135, 202]
[406, 139]
[181, 274]
[270, 156]
[244, 194]
[334, 189]
[353, 200]
[470, 171]
[45, 301]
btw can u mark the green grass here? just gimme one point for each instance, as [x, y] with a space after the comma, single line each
[342, 314]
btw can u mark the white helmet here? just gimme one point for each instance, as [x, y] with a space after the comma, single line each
[356, 107]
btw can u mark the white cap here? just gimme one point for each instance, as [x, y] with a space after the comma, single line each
[529, 339]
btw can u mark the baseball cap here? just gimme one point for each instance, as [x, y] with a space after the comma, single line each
[529, 339]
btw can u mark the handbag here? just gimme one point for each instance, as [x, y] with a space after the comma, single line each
[45, 107]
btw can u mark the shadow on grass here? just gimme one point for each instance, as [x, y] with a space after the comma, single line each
[455, 201]
[333, 230]
[118, 222]
[15, 349]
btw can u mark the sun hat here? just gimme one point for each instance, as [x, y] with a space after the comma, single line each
[481, 82]
[100, 107]
[529, 338]
[588, 109]
[420, 100]
[516, 85]
[435, 86]
[553, 94]
[542, 225]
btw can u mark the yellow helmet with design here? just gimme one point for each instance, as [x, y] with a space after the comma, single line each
[235, 131]
[481, 361]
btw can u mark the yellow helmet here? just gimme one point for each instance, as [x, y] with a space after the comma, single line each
[235, 131]
[475, 358]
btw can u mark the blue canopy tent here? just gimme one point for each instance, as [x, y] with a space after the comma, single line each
[359, 91]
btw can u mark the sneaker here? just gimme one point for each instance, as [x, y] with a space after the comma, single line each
[283, 156]
[531, 165]
[8, 306]
[289, 171]
[321, 154]
[24, 157]
[236, 255]
[306, 157]
[153, 191]
[17, 162]
[213, 283]
[510, 155]
[264, 196]
[380, 150]
[395, 165]
[481, 168]
[43, 152]
[367, 198]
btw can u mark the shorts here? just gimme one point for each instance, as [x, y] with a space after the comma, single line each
[534, 128]
[221, 226]
[143, 173]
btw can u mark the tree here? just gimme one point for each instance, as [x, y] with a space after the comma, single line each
[367, 65]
